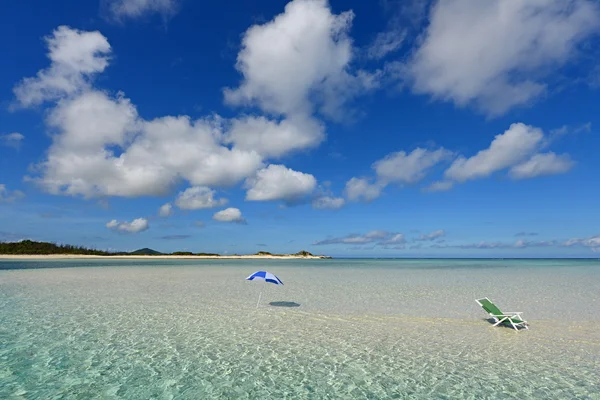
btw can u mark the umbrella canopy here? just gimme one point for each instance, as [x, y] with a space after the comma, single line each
[264, 276]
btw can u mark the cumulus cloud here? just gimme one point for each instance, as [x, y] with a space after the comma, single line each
[399, 167]
[496, 55]
[198, 197]
[275, 139]
[506, 150]
[542, 164]
[229, 215]
[299, 59]
[165, 210]
[13, 139]
[276, 182]
[9, 196]
[409, 168]
[325, 200]
[433, 235]
[154, 156]
[377, 237]
[516, 149]
[363, 189]
[76, 56]
[135, 226]
[121, 9]
[328, 203]
[102, 147]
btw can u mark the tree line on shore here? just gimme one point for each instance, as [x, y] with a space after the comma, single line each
[30, 247]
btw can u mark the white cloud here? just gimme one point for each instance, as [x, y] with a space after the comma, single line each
[362, 189]
[324, 199]
[398, 167]
[409, 168]
[517, 149]
[198, 197]
[507, 149]
[101, 147]
[199, 224]
[12, 139]
[8, 196]
[398, 238]
[328, 203]
[542, 164]
[519, 244]
[439, 186]
[76, 56]
[496, 54]
[592, 242]
[385, 43]
[229, 215]
[276, 182]
[165, 210]
[135, 226]
[275, 139]
[433, 235]
[299, 58]
[119, 9]
[378, 237]
[154, 155]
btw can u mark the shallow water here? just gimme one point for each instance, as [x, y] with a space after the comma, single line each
[167, 329]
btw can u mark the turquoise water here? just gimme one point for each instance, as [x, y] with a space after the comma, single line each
[174, 329]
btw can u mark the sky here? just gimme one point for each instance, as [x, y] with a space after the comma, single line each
[415, 128]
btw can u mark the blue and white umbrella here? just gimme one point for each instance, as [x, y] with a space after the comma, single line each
[264, 276]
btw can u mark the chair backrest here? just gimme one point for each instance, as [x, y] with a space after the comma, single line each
[489, 306]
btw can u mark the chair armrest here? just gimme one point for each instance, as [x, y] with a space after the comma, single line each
[507, 315]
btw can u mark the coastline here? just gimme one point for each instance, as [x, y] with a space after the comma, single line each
[162, 257]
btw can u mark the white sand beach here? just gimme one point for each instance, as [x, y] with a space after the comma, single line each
[157, 257]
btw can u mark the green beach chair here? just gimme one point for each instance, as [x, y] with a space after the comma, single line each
[512, 318]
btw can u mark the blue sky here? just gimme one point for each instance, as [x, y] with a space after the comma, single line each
[350, 128]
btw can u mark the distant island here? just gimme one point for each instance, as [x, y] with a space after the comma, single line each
[33, 249]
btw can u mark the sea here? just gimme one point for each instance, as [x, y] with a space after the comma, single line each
[336, 329]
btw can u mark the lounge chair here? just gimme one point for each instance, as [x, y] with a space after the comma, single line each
[512, 318]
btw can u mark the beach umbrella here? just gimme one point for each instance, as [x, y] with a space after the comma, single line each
[266, 277]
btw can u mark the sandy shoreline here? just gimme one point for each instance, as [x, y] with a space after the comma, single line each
[133, 257]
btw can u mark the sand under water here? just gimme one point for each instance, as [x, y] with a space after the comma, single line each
[365, 329]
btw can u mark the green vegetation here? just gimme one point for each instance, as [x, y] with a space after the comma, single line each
[31, 247]
[189, 253]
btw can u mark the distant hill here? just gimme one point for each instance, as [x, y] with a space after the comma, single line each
[145, 252]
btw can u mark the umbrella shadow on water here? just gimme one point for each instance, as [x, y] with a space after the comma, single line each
[284, 304]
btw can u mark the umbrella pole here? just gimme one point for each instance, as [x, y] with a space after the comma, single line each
[260, 294]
